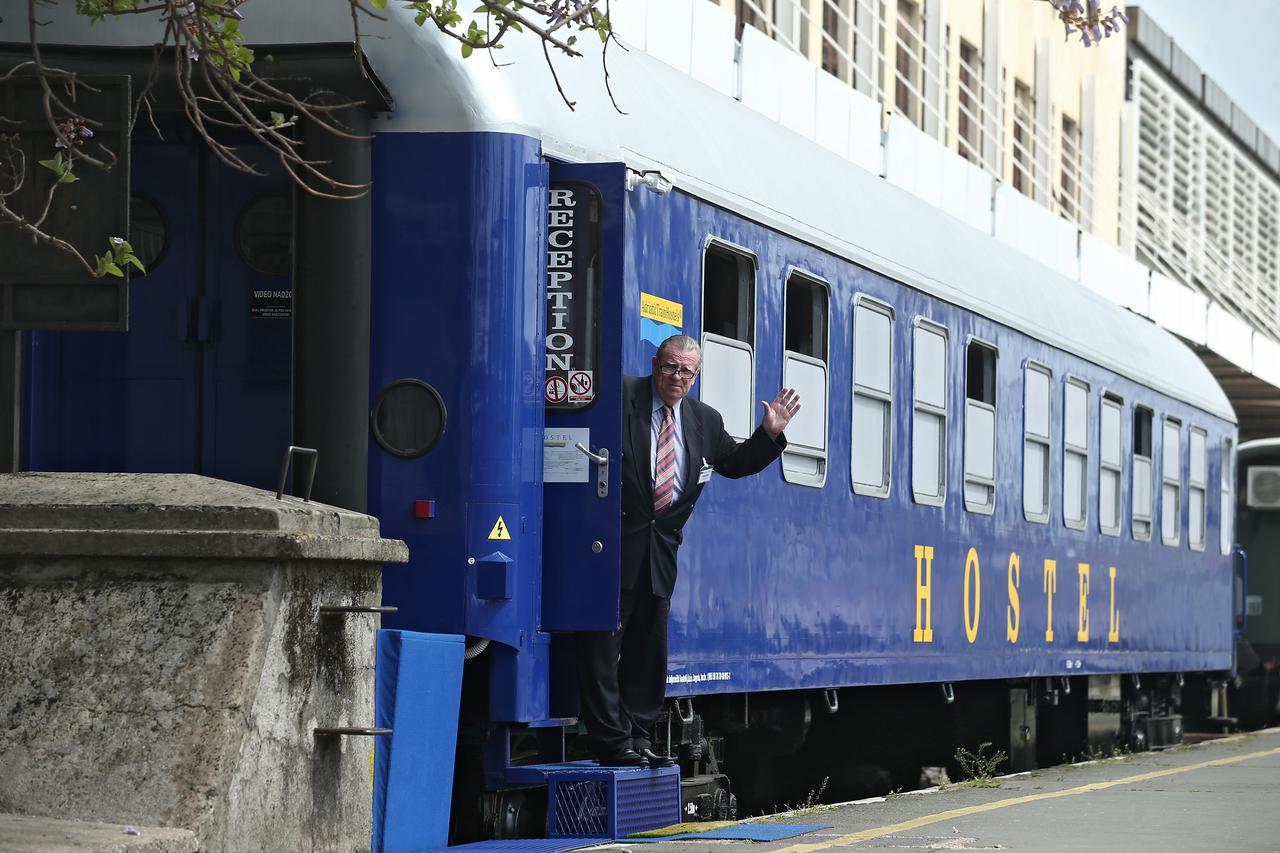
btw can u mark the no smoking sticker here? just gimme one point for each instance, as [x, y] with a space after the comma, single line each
[557, 390]
[582, 388]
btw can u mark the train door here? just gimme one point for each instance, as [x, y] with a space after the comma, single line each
[201, 381]
[582, 452]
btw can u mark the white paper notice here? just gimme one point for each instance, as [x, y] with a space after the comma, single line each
[562, 462]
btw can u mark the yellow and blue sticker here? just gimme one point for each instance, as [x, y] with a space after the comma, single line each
[659, 318]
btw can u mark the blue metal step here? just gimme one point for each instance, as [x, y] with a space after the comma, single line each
[585, 800]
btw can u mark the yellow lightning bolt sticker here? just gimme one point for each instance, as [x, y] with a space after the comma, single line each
[500, 530]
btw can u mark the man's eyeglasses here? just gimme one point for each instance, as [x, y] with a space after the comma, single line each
[669, 369]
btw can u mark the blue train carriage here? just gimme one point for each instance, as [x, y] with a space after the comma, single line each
[1000, 516]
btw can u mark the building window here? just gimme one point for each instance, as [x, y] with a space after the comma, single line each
[929, 415]
[1035, 443]
[728, 336]
[1226, 532]
[872, 462]
[1075, 456]
[980, 428]
[1171, 482]
[1024, 139]
[1142, 473]
[1197, 486]
[909, 64]
[969, 104]
[1069, 182]
[804, 367]
[1109, 474]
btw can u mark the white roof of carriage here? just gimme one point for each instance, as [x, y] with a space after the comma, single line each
[713, 147]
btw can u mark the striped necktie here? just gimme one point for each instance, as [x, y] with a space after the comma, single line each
[664, 464]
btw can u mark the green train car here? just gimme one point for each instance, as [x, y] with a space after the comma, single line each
[1257, 685]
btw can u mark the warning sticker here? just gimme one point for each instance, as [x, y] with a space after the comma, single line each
[557, 389]
[500, 530]
[582, 388]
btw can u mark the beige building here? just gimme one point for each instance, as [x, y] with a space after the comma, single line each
[1148, 184]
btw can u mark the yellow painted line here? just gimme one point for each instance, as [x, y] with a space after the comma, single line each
[952, 814]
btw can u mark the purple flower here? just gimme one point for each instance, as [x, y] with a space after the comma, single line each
[86, 133]
[58, 143]
[192, 53]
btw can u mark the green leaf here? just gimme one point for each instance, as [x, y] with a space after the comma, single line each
[52, 165]
[111, 269]
[137, 263]
[466, 49]
[379, 4]
[67, 177]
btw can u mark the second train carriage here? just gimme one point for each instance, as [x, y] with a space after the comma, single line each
[1003, 516]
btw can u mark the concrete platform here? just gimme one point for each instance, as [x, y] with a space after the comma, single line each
[1219, 795]
[50, 835]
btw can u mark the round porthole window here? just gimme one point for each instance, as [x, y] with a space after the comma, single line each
[264, 234]
[148, 231]
[408, 418]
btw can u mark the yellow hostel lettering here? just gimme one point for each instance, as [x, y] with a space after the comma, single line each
[1113, 627]
[1013, 613]
[924, 599]
[1082, 630]
[1050, 587]
[971, 620]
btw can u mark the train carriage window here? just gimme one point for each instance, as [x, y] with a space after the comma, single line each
[1197, 483]
[980, 428]
[1171, 482]
[728, 337]
[1109, 472]
[1142, 472]
[1226, 518]
[1035, 445]
[804, 367]
[1075, 453]
[929, 415]
[872, 449]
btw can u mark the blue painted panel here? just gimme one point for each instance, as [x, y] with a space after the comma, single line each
[457, 302]
[581, 583]
[195, 385]
[125, 401]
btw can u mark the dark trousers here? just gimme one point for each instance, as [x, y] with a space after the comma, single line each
[622, 676]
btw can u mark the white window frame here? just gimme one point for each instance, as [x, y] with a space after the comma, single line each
[1227, 509]
[1175, 481]
[1114, 401]
[870, 303]
[733, 248]
[1045, 441]
[917, 407]
[794, 448]
[1150, 518]
[1068, 449]
[989, 507]
[1202, 486]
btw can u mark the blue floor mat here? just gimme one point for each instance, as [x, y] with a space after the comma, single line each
[527, 845]
[741, 832]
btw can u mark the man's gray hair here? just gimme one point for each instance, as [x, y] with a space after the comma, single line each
[680, 343]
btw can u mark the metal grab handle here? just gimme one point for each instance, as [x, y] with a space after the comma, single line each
[1244, 588]
[602, 468]
[311, 474]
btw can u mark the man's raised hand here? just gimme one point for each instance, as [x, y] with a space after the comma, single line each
[780, 412]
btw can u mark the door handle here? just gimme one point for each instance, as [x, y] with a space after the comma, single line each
[602, 468]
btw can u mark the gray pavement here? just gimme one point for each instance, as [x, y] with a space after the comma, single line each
[20, 834]
[1219, 795]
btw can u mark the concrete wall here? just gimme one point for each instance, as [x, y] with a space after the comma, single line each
[165, 663]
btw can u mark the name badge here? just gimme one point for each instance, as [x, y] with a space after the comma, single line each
[705, 472]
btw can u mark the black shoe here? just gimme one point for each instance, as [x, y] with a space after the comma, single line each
[655, 760]
[622, 758]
